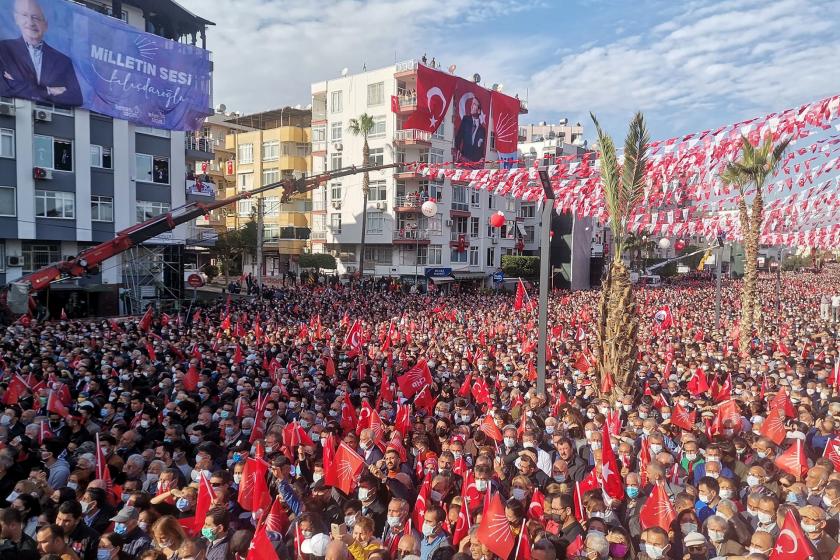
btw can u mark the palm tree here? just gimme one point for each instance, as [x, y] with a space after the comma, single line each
[362, 127]
[752, 169]
[623, 186]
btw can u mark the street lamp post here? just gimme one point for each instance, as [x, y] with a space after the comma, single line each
[545, 267]
[718, 272]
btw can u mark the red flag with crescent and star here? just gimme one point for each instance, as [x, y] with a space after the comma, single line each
[434, 94]
[791, 544]
[353, 341]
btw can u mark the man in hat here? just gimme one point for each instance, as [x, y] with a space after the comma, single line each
[126, 524]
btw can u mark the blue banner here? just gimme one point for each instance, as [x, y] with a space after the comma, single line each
[55, 51]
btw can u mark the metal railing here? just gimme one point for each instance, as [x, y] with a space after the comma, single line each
[408, 101]
[415, 200]
[405, 66]
[462, 206]
[319, 235]
[456, 236]
[200, 143]
[410, 234]
[412, 135]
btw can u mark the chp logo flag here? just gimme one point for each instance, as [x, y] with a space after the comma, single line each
[348, 466]
[832, 452]
[472, 104]
[434, 94]
[415, 379]
[495, 532]
[505, 114]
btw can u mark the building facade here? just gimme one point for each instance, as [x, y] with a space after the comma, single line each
[70, 179]
[456, 245]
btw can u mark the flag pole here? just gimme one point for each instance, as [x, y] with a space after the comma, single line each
[545, 257]
[519, 541]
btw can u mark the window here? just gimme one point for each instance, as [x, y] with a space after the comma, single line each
[245, 181]
[429, 255]
[376, 156]
[377, 191]
[376, 94]
[152, 169]
[271, 206]
[245, 207]
[436, 156]
[529, 234]
[38, 255]
[246, 153]
[335, 191]
[457, 256]
[336, 131]
[473, 256]
[475, 198]
[527, 210]
[491, 257]
[378, 130]
[7, 143]
[147, 210]
[432, 225]
[100, 157]
[440, 133]
[271, 150]
[271, 232]
[378, 255]
[459, 198]
[52, 204]
[335, 102]
[302, 150]
[375, 222]
[270, 176]
[319, 133]
[8, 201]
[335, 161]
[335, 223]
[474, 227]
[319, 222]
[53, 153]
[101, 208]
[490, 202]
[52, 108]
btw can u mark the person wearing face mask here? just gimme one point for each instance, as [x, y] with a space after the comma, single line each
[59, 469]
[813, 522]
[398, 513]
[767, 519]
[714, 454]
[95, 509]
[14, 543]
[127, 525]
[707, 498]
[560, 518]
[696, 547]
[717, 531]
[815, 482]
[215, 531]
[629, 511]
[370, 452]
[654, 544]
[374, 497]
[434, 536]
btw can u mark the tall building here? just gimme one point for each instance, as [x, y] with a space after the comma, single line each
[267, 147]
[456, 245]
[562, 132]
[70, 179]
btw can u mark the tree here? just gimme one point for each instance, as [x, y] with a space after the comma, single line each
[233, 244]
[317, 260]
[618, 322]
[521, 266]
[362, 127]
[751, 170]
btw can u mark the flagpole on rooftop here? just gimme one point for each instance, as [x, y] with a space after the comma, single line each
[545, 257]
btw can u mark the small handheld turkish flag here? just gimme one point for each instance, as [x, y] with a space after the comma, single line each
[791, 544]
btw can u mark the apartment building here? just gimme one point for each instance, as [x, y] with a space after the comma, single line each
[457, 244]
[563, 132]
[265, 148]
[70, 179]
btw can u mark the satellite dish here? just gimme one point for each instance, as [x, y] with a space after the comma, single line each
[344, 72]
[495, 87]
[222, 107]
[452, 68]
[476, 77]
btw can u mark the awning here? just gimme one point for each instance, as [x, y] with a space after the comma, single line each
[521, 229]
[470, 275]
[442, 279]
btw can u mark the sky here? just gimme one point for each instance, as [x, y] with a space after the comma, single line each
[688, 65]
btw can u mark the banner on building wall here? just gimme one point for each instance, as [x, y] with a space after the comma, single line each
[505, 110]
[59, 52]
[434, 95]
[472, 108]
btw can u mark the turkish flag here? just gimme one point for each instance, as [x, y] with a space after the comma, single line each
[582, 363]
[832, 452]
[191, 379]
[472, 106]
[349, 418]
[423, 499]
[146, 321]
[329, 367]
[424, 400]
[102, 472]
[698, 384]
[793, 461]
[609, 468]
[681, 418]
[237, 354]
[277, 520]
[55, 405]
[353, 340]
[520, 291]
[834, 378]
[494, 531]
[364, 417]
[434, 95]
[294, 435]
[489, 427]
[402, 421]
[791, 544]
[480, 392]
[505, 114]
[348, 466]
[462, 526]
[415, 379]
[657, 510]
[590, 482]
[536, 509]
[395, 104]
[722, 392]
[773, 427]
[663, 318]
[782, 401]
[206, 495]
[17, 387]
[261, 547]
[575, 548]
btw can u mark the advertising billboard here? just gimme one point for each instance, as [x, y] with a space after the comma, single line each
[59, 52]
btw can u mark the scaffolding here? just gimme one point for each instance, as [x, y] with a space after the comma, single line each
[153, 274]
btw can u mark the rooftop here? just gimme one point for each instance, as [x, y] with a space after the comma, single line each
[275, 118]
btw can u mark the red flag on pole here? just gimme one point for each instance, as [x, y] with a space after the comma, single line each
[657, 510]
[353, 341]
[146, 321]
[261, 547]
[206, 495]
[791, 544]
[520, 295]
[793, 461]
[494, 531]
[348, 466]
[102, 472]
[415, 379]
[773, 426]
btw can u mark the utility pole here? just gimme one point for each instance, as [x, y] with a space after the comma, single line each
[718, 272]
[545, 266]
[260, 212]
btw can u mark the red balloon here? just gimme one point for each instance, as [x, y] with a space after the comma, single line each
[679, 245]
[497, 220]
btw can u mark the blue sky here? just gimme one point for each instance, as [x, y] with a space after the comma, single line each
[689, 66]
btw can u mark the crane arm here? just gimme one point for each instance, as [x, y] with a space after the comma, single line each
[88, 261]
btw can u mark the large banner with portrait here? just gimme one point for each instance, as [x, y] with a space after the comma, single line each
[472, 111]
[59, 52]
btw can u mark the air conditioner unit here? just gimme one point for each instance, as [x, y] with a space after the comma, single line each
[14, 260]
[380, 205]
[336, 205]
[41, 173]
[43, 116]
[7, 110]
[448, 223]
[338, 146]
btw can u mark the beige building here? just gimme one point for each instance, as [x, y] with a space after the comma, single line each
[265, 148]
[564, 132]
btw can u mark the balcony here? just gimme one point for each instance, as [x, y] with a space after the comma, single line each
[412, 136]
[459, 210]
[318, 236]
[409, 236]
[319, 146]
[200, 189]
[409, 203]
[199, 148]
[407, 103]
[407, 174]
[405, 68]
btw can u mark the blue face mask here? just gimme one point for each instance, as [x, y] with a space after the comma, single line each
[103, 554]
[632, 491]
[237, 457]
[182, 504]
[120, 528]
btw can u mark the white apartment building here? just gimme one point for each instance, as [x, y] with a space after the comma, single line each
[399, 240]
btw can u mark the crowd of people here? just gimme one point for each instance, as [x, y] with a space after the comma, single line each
[351, 423]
